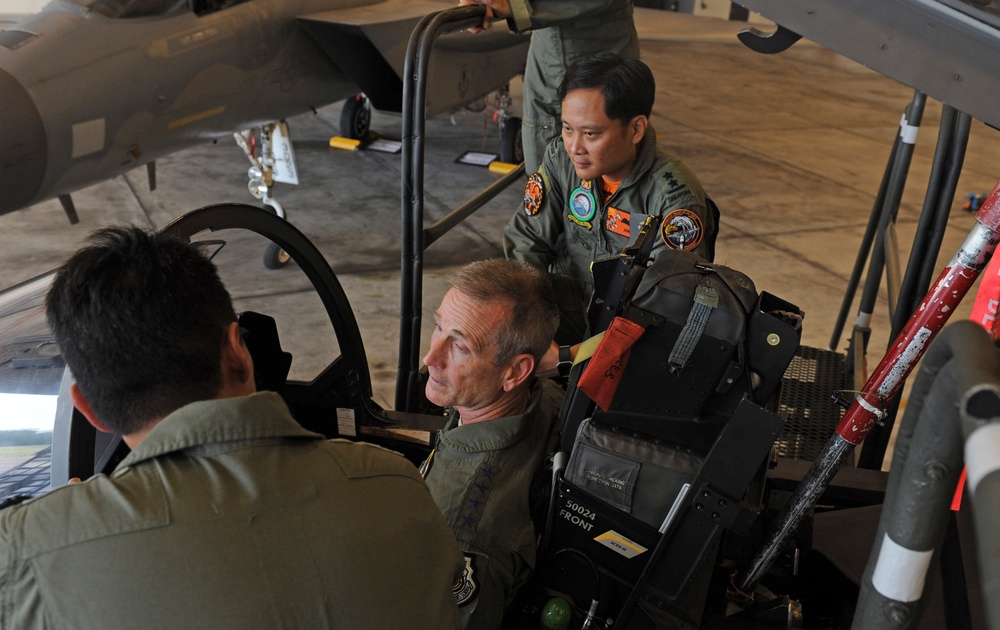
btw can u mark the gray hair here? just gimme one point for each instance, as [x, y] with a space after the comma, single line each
[534, 314]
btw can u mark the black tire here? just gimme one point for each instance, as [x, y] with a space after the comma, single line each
[275, 257]
[511, 148]
[355, 117]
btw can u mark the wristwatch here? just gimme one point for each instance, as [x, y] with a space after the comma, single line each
[565, 361]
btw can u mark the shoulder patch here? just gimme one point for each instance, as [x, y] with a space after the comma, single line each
[533, 192]
[465, 588]
[682, 229]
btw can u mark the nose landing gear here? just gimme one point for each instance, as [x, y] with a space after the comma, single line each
[269, 167]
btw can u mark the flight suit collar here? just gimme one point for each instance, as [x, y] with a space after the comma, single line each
[260, 415]
[490, 435]
[644, 159]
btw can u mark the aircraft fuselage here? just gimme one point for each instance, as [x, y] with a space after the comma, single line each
[84, 97]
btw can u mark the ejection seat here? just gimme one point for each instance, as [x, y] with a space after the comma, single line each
[672, 454]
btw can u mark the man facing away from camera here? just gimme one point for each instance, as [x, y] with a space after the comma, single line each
[227, 513]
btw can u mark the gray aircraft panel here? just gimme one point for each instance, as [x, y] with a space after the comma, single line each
[951, 53]
[376, 14]
[86, 95]
[374, 59]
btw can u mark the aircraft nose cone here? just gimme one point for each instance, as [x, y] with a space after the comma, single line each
[23, 149]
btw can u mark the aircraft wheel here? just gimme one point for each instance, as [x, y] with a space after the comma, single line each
[511, 148]
[355, 117]
[275, 257]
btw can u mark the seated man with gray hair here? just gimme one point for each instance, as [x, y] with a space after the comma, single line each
[493, 326]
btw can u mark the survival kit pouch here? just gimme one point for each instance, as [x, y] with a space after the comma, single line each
[709, 340]
[701, 339]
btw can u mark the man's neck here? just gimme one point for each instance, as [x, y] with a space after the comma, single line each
[133, 439]
[513, 404]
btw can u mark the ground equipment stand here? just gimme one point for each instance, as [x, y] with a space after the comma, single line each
[905, 288]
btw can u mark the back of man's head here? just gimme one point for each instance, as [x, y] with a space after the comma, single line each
[140, 319]
[534, 314]
[627, 84]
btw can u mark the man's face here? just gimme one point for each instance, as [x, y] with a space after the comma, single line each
[597, 145]
[460, 359]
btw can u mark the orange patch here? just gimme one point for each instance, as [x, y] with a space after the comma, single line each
[533, 192]
[619, 222]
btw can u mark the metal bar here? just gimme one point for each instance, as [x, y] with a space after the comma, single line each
[858, 358]
[908, 128]
[893, 274]
[864, 250]
[409, 316]
[963, 124]
[949, 156]
[459, 214]
[418, 52]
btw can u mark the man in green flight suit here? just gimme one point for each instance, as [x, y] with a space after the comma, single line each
[493, 324]
[227, 513]
[599, 182]
[562, 33]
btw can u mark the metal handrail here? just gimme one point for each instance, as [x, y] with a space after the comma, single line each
[415, 239]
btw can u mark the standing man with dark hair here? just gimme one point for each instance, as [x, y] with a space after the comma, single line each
[227, 513]
[562, 33]
[599, 182]
[493, 325]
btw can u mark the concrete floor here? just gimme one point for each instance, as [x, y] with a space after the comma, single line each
[791, 146]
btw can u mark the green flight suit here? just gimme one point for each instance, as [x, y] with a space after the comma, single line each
[480, 475]
[563, 32]
[566, 224]
[230, 515]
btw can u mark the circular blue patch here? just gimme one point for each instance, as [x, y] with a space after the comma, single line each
[583, 205]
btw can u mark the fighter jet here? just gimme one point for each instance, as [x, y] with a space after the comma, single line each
[92, 88]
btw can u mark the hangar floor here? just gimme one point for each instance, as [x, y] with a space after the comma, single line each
[791, 146]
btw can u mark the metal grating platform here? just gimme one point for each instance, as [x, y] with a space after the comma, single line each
[32, 477]
[805, 402]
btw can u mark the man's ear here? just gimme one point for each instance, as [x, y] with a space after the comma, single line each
[80, 402]
[520, 370]
[237, 364]
[637, 128]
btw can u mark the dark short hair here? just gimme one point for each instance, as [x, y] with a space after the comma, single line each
[627, 84]
[534, 313]
[140, 318]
